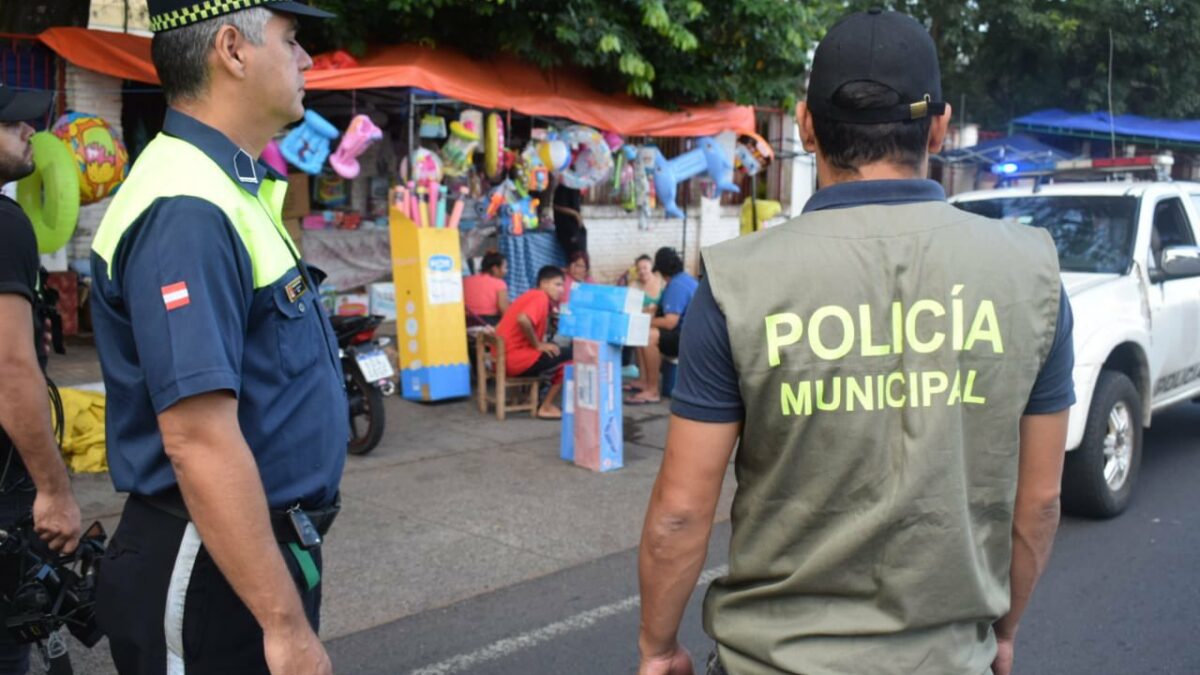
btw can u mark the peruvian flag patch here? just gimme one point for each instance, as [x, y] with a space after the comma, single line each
[175, 296]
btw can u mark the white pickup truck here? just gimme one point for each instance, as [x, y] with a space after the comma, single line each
[1131, 267]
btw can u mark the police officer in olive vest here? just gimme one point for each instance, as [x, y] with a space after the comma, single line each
[226, 408]
[896, 375]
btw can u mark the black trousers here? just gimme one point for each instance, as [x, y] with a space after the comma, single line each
[167, 609]
[16, 502]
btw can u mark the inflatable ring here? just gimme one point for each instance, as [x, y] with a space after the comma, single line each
[50, 195]
[591, 158]
[493, 144]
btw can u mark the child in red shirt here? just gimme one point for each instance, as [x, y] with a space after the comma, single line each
[523, 328]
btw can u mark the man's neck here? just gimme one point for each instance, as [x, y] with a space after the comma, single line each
[226, 120]
[828, 176]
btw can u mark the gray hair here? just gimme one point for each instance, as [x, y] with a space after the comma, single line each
[181, 55]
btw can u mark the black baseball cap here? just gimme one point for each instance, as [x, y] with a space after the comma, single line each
[23, 106]
[166, 15]
[887, 48]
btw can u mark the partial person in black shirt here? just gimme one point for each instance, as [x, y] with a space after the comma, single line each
[568, 221]
[32, 473]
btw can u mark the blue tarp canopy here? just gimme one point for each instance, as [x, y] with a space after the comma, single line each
[1128, 128]
[1017, 148]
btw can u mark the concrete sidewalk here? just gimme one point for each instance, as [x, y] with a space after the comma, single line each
[453, 504]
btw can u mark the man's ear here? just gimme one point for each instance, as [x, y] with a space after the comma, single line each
[231, 51]
[808, 137]
[938, 128]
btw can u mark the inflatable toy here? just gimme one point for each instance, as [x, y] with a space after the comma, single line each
[273, 158]
[458, 152]
[493, 146]
[360, 135]
[50, 195]
[433, 126]
[307, 146]
[613, 140]
[591, 159]
[708, 157]
[555, 154]
[427, 166]
[532, 175]
[753, 154]
[99, 154]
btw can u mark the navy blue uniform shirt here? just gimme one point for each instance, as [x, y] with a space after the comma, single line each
[707, 388]
[276, 353]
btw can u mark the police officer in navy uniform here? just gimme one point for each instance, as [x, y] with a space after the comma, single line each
[32, 473]
[896, 375]
[226, 407]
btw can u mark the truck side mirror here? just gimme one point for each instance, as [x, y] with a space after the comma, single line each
[1181, 261]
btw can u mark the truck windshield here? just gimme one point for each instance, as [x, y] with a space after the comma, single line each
[1093, 233]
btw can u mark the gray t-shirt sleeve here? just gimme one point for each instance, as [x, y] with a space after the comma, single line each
[707, 386]
[1054, 389]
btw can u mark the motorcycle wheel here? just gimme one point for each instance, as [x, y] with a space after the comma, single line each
[366, 411]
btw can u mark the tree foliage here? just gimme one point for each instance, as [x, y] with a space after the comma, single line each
[670, 51]
[1010, 57]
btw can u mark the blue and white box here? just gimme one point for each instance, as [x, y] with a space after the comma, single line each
[616, 299]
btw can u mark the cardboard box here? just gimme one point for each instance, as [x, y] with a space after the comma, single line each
[630, 330]
[566, 448]
[296, 203]
[599, 426]
[618, 299]
[352, 304]
[382, 300]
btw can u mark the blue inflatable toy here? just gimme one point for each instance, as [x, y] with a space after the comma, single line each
[308, 145]
[708, 157]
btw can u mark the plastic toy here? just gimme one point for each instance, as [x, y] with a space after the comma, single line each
[100, 156]
[493, 146]
[708, 157]
[307, 146]
[591, 159]
[433, 126]
[360, 135]
[555, 154]
[459, 150]
[613, 140]
[427, 166]
[753, 154]
[459, 205]
[50, 195]
[532, 175]
[273, 158]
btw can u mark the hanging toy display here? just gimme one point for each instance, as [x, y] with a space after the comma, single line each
[753, 154]
[427, 166]
[272, 157]
[458, 152]
[516, 212]
[708, 158]
[590, 161]
[433, 126]
[493, 147]
[554, 154]
[360, 135]
[308, 145]
[99, 154]
[532, 174]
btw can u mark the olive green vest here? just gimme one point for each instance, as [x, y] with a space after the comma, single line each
[170, 167]
[885, 356]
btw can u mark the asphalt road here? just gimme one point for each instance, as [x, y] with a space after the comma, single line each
[1120, 597]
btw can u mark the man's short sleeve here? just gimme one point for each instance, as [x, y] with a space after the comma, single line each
[19, 261]
[675, 297]
[1054, 389]
[707, 387]
[187, 283]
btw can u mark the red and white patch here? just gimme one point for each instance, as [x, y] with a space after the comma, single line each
[175, 296]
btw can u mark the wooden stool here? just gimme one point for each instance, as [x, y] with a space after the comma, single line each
[503, 383]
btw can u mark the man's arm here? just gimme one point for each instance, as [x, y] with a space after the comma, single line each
[677, 528]
[665, 322]
[535, 340]
[1035, 518]
[25, 417]
[224, 494]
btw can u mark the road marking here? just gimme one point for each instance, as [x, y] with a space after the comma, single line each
[512, 645]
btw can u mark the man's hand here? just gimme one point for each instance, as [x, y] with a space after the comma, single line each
[549, 348]
[56, 519]
[295, 651]
[675, 662]
[1003, 663]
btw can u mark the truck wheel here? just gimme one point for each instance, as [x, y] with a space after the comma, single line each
[1098, 477]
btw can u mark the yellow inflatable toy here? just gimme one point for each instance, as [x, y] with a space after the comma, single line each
[100, 156]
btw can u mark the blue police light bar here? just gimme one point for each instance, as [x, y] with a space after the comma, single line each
[1005, 168]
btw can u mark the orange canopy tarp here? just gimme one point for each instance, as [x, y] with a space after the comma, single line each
[501, 83]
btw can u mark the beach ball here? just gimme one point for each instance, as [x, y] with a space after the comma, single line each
[99, 154]
[555, 155]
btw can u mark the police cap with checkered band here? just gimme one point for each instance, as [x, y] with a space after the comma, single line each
[167, 15]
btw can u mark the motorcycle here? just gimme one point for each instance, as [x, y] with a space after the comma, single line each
[369, 378]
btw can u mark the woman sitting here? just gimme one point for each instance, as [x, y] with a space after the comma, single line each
[486, 294]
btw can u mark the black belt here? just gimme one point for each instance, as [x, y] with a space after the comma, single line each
[322, 518]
